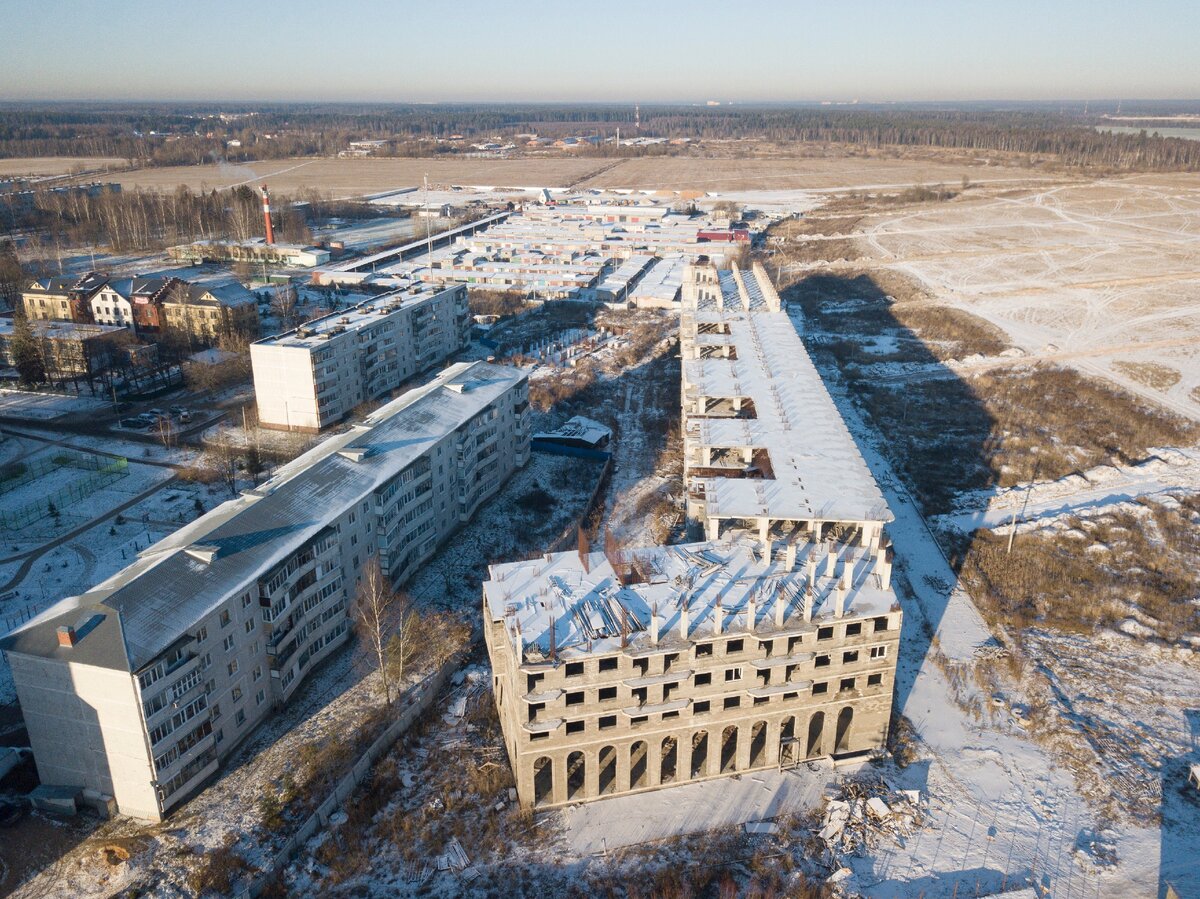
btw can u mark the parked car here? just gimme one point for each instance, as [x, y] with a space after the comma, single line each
[177, 410]
[134, 424]
[185, 416]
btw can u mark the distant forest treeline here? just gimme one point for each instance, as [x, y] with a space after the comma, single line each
[172, 135]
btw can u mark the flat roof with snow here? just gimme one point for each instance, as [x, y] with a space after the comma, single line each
[313, 333]
[718, 580]
[818, 471]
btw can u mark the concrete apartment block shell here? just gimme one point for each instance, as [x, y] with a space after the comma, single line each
[215, 626]
[764, 445]
[627, 671]
[719, 643]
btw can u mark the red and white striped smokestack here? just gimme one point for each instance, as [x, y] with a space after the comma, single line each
[267, 214]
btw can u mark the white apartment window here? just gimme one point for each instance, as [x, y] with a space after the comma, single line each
[257, 671]
[225, 619]
[240, 718]
[227, 643]
[878, 652]
[245, 600]
[205, 661]
[233, 667]
[259, 697]
[237, 694]
[220, 735]
[250, 626]
[202, 635]
[216, 711]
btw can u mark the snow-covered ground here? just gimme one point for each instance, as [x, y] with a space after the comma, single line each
[45, 406]
[1103, 272]
[1168, 470]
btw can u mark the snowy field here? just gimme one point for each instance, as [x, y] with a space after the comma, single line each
[45, 406]
[1100, 274]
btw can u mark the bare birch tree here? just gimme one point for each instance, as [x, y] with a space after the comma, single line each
[373, 615]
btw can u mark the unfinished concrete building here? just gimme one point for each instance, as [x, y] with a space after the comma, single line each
[765, 448]
[772, 642]
[627, 671]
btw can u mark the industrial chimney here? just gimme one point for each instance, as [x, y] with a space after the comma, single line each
[267, 215]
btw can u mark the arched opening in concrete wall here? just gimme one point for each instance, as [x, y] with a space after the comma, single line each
[845, 719]
[670, 760]
[639, 777]
[543, 781]
[729, 741]
[758, 744]
[699, 753]
[787, 729]
[607, 766]
[816, 728]
[576, 775]
[789, 749]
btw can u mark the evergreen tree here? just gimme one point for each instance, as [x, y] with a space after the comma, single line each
[25, 352]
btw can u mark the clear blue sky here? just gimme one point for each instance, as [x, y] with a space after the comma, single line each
[620, 50]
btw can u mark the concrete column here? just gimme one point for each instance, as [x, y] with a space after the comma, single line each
[683, 757]
[780, 607]
[809, 598]
[654, 762]
[714, 750]
[559, 763]
[623, 765]
[789, 561]
[751, 613]
[831, 561]
[773, 729]
[764, 537]
[683, 622]
[718, 619]
[524, 777]
[712, 528]
[591, 774]
[743, 747]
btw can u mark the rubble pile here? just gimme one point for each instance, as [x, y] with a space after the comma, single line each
[867, 812]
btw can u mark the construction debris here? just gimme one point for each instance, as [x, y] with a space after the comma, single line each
[867, 812]
[761, 827]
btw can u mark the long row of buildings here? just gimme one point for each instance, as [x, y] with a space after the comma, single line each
[568, 251]
[139, 689]
[771, 642]
[144, 306]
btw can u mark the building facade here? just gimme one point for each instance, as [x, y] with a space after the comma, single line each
[64, 298]
[141, 687]
[311, 377]
[208, 311]
[68, 349]
[133, 303]
[632, 671]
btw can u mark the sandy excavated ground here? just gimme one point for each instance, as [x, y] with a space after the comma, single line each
[1091, 274]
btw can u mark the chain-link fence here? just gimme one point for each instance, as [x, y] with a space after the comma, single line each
[103, 470]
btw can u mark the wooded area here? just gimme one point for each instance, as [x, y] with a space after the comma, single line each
[181, 135]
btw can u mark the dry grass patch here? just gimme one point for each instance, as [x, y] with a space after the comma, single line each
[1152, 374]
[1004, 428]
[1095, 573]
[950, 333]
